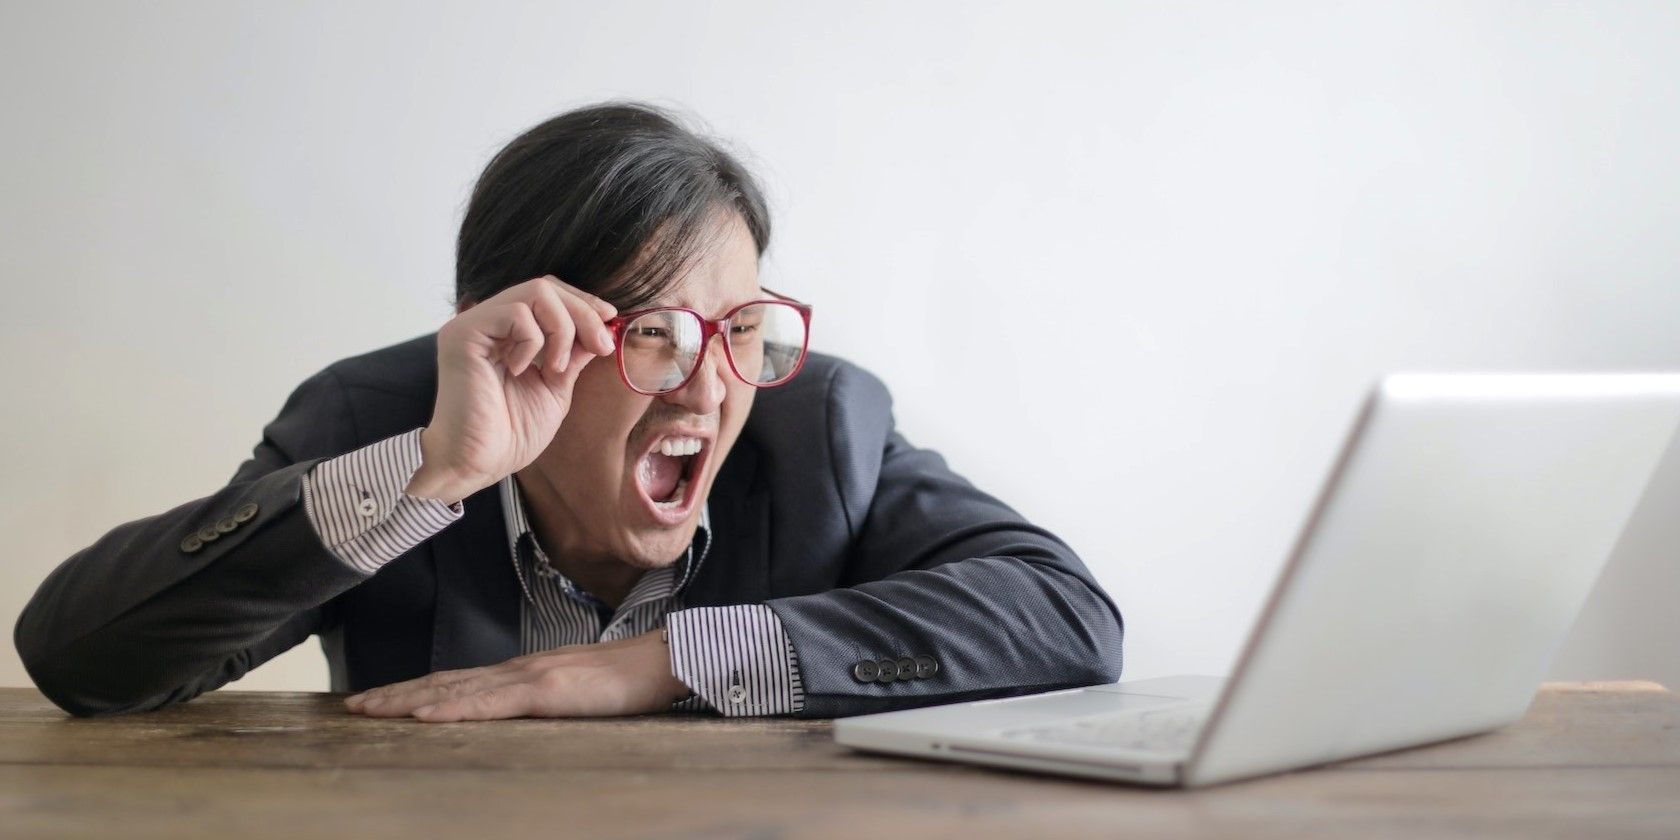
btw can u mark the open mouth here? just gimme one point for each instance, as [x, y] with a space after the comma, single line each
[667, 473]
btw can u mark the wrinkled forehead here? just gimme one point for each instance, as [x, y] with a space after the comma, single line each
[722, 275]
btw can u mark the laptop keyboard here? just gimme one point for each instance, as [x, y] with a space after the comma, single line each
[1167, 730]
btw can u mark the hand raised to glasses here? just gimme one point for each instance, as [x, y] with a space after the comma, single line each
[506, 369]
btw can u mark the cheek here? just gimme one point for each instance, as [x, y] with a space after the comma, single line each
[602, 414]
[733, 415]
[599, 382]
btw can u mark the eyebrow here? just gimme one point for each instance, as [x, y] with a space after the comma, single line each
[728, 307]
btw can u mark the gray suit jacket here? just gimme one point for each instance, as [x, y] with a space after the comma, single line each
[865, 546]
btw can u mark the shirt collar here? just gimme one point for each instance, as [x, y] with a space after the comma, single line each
[519, 527]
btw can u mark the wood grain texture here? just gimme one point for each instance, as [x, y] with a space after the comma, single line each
[1591, 760]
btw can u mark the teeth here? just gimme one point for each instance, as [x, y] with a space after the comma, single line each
[675, 447]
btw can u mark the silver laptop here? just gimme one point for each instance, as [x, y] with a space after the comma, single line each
[1451, 546]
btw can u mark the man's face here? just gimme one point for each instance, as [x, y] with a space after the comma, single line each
[617, 450]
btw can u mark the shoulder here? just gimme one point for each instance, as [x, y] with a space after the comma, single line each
[831, 397]
[831, 423]
[406, 369]
[370, 396]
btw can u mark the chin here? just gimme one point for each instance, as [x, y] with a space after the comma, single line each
[658, 548]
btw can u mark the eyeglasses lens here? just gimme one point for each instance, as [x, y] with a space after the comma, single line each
[766, 342]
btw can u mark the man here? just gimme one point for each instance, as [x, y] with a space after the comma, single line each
[573, 500]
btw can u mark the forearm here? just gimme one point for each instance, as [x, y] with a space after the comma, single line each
[992, 626]
[164, 608]
[159, 610]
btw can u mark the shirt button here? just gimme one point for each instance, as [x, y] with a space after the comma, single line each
[366, 507]
[737, 694]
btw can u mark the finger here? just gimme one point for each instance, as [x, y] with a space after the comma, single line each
[524, 337]
[605, 310]
[517, 666]
[434, 679]
[592, 330]
[558, 329]
[400, 705]
[490, 704]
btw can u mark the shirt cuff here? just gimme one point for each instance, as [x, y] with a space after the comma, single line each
[738, 661]
[357, 506]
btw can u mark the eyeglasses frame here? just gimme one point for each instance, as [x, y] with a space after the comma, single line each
[708, 328]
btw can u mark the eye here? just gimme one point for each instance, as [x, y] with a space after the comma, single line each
[746, 322]
[648, 338]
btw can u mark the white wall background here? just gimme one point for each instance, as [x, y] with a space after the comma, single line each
[1129, 266]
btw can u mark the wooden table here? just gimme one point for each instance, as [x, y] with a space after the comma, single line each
[1589, 760]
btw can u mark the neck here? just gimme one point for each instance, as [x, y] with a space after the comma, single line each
[599, 574]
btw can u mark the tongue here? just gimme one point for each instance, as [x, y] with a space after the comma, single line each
[660, 474]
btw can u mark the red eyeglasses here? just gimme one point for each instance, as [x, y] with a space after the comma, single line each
[659, 349]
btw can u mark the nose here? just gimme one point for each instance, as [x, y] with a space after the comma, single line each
[704, 392]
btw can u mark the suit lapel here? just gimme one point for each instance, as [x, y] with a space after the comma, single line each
[476, 621]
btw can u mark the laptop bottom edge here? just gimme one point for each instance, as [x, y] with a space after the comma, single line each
[1162, 772]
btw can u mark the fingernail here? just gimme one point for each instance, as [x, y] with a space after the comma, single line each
[606, 338]
[424, 709]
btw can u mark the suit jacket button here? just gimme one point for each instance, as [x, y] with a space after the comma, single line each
[225, 525]
[209, 534]
[246, 513]
[926, 666]
[864, 671]
[886, 671]
[191, 544]
[906, 668]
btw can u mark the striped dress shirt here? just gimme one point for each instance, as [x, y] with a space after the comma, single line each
[736, 660]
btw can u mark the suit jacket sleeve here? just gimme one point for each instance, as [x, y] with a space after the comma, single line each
[941, 569]
[137, 621]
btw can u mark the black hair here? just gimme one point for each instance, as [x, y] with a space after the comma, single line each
[615, 199]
